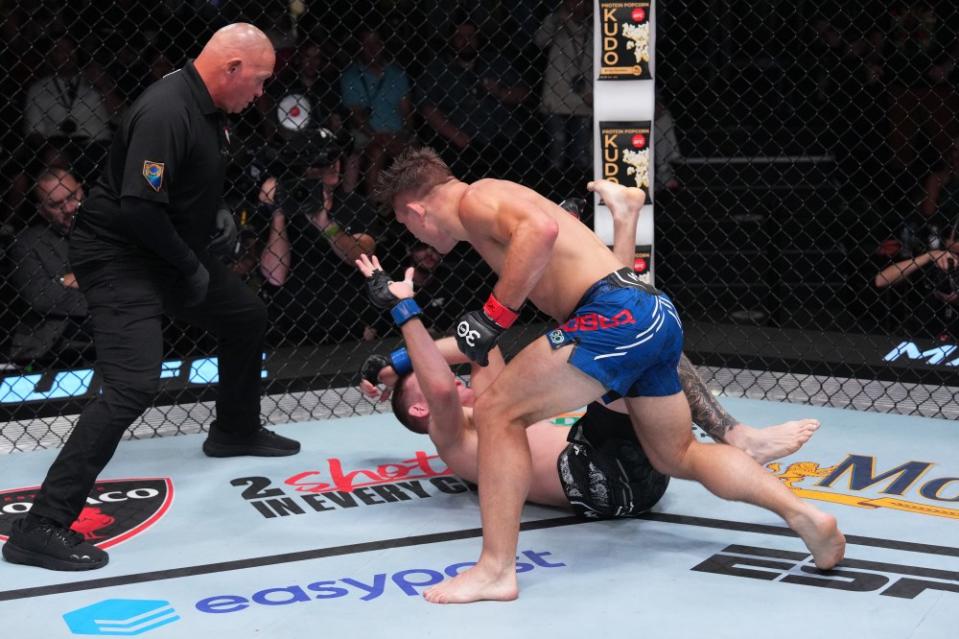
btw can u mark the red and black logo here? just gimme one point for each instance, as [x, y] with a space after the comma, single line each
[116, 510]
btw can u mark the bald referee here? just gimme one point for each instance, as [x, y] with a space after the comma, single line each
[144, 244]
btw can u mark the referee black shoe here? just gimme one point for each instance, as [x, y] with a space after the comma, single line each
[262, 443]
[51, 546]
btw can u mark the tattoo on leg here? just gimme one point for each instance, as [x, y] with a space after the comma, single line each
[707, 413]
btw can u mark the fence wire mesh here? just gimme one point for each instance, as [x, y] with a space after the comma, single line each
[807, 173]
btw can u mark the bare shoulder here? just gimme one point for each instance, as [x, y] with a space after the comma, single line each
[481, 200]
[490, 193]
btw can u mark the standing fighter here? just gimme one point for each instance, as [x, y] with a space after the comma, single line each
[597, 468]
[141, 246]
[617, 337]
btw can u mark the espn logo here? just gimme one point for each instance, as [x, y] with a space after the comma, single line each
[856, 575]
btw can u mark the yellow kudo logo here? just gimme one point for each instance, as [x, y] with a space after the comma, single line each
[895, 488]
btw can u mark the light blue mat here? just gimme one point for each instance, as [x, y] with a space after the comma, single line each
[265, 548]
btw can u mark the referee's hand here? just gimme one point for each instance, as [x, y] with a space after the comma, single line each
[195, 287]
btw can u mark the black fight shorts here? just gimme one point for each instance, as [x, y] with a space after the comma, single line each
[604, 471]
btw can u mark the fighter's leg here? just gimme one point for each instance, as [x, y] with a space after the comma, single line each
[538, 383]
[763, 445]
[662, 425]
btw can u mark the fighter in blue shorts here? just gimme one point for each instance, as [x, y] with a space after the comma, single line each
[597, 467]
[626, 335]
[540, 253]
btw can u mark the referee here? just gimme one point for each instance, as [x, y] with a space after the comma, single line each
[144, 244]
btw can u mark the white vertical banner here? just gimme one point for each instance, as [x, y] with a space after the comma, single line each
[624, 103]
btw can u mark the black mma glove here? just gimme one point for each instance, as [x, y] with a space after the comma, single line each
[195, 286]
[372, 365]
[223, 240]
[478, 331]
[378, 288]
[399, 360]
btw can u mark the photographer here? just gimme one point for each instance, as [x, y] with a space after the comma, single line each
[924, 255]
[316, 232]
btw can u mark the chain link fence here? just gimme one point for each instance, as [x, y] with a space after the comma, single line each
[807, 183]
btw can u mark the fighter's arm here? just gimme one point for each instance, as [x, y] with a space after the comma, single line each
[436, 380]
[528, 232]
[437, 383]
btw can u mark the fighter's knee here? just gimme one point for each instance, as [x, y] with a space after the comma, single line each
[672, 460]
[490, 408]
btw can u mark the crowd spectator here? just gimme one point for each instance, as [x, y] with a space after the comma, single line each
[73, 101]
[567, 100]
[470, 100]
[940, 203]
[377, 94]
[919, 277]
[27, 166]
[921, 54]
[56, 321]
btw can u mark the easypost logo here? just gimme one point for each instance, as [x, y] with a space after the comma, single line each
[121, 617]
[360, 587]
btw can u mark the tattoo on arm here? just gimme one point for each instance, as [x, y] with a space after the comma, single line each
[708, 413]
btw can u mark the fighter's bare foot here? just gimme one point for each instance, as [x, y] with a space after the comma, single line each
[623, 201]
[770, 443]
[475, 584]
[821, 535]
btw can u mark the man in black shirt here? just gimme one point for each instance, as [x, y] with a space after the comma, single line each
[143, 244]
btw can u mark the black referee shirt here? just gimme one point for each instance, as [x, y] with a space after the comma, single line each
[171, 150]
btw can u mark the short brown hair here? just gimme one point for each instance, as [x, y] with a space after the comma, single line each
[400, 402]
[415, 170]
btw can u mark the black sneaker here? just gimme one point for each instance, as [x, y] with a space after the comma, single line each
[51, 546]
[262, 443]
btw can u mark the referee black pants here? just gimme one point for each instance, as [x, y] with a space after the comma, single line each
[127, 298]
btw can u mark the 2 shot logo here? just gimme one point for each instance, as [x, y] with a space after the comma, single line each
[853, 575]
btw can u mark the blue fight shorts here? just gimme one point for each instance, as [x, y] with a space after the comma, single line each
[626, 335]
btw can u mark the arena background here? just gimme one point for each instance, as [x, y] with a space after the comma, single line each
[795, 147]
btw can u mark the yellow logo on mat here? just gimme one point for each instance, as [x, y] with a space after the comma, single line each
[861, 471]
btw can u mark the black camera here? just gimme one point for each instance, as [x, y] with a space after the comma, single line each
[313, 148]
[297, 190]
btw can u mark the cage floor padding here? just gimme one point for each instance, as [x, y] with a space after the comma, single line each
[341, 540]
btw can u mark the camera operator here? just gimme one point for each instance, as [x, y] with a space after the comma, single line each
[316, 232]
[924, 255]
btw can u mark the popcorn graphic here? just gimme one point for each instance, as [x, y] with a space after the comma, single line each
[638, 162]
[638, 35]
